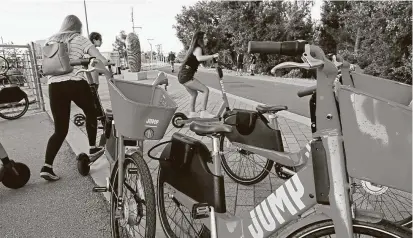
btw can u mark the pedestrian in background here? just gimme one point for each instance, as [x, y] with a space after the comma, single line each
[253, 61]
[240, 63]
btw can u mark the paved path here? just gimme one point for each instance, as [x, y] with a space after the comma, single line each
[63, 209]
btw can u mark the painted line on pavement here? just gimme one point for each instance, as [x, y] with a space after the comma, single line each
[286, 114]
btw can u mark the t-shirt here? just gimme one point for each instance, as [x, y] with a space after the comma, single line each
[171, 57]
[253, 59]
[240, 58]
[78, 47]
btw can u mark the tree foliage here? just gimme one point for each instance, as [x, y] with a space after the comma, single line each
[376, 35]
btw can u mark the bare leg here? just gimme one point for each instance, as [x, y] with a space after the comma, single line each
[198, 86]
[193, 94]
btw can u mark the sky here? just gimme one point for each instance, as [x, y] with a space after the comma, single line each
[23, 21]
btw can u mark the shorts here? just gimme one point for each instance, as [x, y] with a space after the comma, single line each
[185, 74]
[240, 65]
[252, 67]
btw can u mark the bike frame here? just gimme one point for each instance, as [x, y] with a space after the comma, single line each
[260, 222]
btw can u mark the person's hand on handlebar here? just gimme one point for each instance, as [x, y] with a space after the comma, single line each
[215, 55]
[100, 68]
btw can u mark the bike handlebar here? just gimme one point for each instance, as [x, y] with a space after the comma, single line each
[82, 62]
[306, 92]
[290, 48]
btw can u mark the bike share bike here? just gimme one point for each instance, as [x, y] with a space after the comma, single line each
[395, 204]
[190, 176]
[14, 102]
[135, 107]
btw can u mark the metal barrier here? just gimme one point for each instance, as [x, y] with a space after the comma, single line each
[24, 71]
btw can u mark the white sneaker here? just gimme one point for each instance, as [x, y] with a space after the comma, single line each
[193, 114]
[206, 114]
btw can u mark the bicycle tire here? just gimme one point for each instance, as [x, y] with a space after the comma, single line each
[7, 66]
[145, 176]
[261, 175]
[382, 229]
[203, 232]
[25, 109]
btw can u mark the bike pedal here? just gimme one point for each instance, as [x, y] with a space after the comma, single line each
[133, 171]
[200, 210]
[100, 189]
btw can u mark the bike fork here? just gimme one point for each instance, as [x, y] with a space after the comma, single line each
[121, 175]
[339, 209]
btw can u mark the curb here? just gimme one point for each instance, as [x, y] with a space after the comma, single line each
[289, 115]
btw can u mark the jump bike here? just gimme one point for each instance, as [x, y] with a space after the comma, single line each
[395, 204]
[130, 182]
[190, 177]
[14, 102]
[13, 174]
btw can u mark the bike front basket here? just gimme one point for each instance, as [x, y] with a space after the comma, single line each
[140, 111]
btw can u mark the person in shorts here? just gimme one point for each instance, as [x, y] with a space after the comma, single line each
[253, 61]
[194, 56]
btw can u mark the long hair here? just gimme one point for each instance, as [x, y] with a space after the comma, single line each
[197, 41]
[71, 25]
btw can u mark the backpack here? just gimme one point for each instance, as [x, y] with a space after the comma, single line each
[56, 59]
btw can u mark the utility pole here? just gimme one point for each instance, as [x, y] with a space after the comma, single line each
[133, 23]
[4, 55]
[87, 24]
[150, 64]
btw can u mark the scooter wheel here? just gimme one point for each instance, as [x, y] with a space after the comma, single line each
[177, 120]
[278, 170]
[16, 176]
[79, 119]
[83, 164]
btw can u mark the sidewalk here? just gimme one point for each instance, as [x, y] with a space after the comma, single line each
[63, 209]
[239, 198]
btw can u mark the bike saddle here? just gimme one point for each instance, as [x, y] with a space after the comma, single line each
[209, 128]
[270, 108]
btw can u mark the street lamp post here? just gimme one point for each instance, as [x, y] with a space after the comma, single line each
[87, 24]
[150, 64]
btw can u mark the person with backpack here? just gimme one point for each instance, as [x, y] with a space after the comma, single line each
[65, 86]
[171, 59]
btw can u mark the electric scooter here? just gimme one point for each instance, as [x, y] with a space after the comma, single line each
[13, 175]
[179, 119]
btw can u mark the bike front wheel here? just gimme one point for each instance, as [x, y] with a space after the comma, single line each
[383, 229]
[15, 110]
[137, 216]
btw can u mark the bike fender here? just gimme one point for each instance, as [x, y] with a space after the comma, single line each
[289, 229]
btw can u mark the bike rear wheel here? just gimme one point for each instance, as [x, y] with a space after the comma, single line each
[179, 225]
[258, 166]
[138, 210]
[383, 229]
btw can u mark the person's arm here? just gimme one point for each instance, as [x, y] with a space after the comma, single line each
[100, 66]
[200, 57]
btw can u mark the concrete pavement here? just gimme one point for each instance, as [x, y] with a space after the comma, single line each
[41, 209]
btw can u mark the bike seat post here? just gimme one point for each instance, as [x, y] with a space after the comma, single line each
[216, 155]
[273, 120]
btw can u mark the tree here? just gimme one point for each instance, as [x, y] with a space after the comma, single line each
[120, 45]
